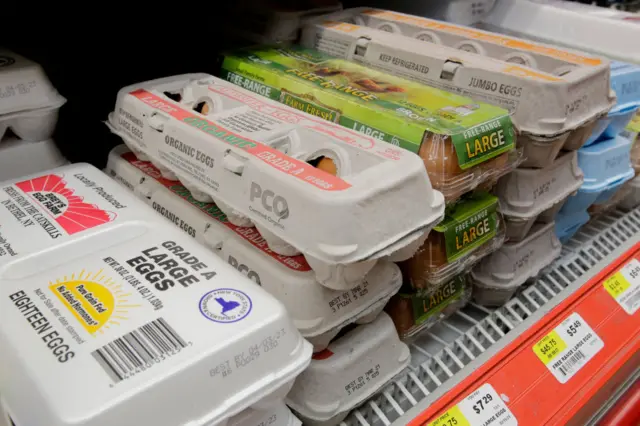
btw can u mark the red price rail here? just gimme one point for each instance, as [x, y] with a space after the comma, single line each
[564, 368]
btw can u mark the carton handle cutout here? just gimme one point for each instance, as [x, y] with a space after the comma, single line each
[157, 121]
[234, 162]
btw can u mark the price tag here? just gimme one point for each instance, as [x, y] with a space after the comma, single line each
[484, 407]
[568, 347]
[624, 286]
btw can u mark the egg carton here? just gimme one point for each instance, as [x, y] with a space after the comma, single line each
[249, 155]
[29, 104]
[530, 195]
[498, 277]
[5, 420]
[556, 96]
[131, 316]
[348, 372]
[278, 415]
[318, 312]
[19, 158]
[606, 166]
[632, 199]
[413, 311]
[463, 12]
[570, 24]
[45, 209]
[567, 225]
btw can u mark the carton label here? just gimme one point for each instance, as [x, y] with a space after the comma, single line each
[634, 124]
[309, 105]
[39, 212]
[469, 224]
[251, 235]
[270, 156]
[483, 142]
[430, 303]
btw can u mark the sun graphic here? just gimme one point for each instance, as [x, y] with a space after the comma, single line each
[95, 300]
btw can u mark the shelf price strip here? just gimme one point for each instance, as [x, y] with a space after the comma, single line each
[568, 347]
[624, 286]
[484, 407]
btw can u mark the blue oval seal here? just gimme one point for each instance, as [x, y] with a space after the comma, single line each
[225, 305]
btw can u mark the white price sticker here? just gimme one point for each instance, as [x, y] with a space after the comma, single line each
[568, 347]
[482, 407]
[624, 286]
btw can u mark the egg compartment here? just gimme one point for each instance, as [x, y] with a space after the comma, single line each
[277, 415]
[19, 158]
[456, 244]
[530, 195]
[227, 318]
[553, 109]
[260, 149]
[348, 372]
[499, 275]
[606, 165]
[462, 142]
[318, 312]
[413, 311]
[566, 225]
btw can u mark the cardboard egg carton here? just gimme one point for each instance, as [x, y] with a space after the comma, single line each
[318, 312]
[498, 277]
[556, 96]
[257, 160]
[19, 158]
[29, 103]
[109, 325]
[530, 195]
[348, 372]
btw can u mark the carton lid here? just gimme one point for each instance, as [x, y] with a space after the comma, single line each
[625, 81]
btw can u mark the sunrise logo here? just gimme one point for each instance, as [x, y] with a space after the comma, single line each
[95, 300]
[51, 193]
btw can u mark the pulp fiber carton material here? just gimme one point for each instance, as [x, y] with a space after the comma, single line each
[462, 142]
[29, 103]
[107, 327]
[319, 313]
[555, 95]
[257, 160]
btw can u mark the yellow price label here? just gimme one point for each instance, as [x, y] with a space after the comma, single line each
[634, 124]
[616, 285]
[549, 347]
[452, 417]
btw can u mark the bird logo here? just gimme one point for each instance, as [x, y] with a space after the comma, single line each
[227, 305]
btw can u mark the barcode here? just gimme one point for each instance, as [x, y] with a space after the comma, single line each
[138, 350]
[568, 364]
[631, 301]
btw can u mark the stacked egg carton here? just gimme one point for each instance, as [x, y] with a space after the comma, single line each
[133, 307]
[289, 213]
[465, 145]
[29, 107]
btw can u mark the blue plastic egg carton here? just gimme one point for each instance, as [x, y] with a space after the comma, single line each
[625, 81]
[606, 166]
[566, 225]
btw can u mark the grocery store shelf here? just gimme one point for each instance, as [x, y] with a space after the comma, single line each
[479, 345]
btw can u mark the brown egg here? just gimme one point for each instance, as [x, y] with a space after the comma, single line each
[327, 165]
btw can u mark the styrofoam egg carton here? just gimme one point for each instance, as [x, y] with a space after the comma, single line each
[29, 104]
[54, 207]
[318, 312]
[530, 195]
[566, 225]
[343, 223]
[606, 166]
[570, 24]
[20, 158]
[276, 415]
[632, 199]
[555, 95]
[499, 275]
[109, 331]
[4, 417]
[348, 372]
[463, 12]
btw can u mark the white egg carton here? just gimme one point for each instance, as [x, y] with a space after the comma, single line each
[277, 415]
[571, 24]
[4, 417]
[556, 96]
[499, 275]
[20, 158]
[249, 155]
[318, 312]
[463, 12]
[530, 195]
[29, 104]
[348, 372]
[50, 208]
[109, 327]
